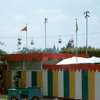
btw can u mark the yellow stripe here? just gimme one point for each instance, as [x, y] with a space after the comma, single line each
[39, 80]
[9, 80]
[19, 82]
[23, 78]
[72, 84]
[4, 78]
[91, 84]
[55, 83]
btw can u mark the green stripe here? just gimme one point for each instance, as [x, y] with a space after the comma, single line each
[50, 83]
[84, 85]
[19, 76]
[66, 84]
[34, 78]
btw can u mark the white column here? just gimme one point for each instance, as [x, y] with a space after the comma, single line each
[78, 84]
[28, 79]
[45, 82]
[97, 85]
[61, 83]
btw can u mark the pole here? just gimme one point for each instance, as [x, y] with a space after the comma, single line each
[76, 41]
[86, 31]
[86, 37]
[76, 47]
[26, 38]
[45, 34]
[45, 31]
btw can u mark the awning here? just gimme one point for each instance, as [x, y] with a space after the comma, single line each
[75, 60]
[95, 59]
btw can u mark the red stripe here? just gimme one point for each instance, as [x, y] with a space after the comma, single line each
[72, 67]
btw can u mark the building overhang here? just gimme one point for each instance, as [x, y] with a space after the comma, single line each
[40, 56]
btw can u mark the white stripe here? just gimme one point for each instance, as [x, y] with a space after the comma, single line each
[97, 85]
[12, 72]
[61, 83]
[78, 84]
[28, 79]
[45, 82]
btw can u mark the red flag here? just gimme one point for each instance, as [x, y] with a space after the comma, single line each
[24, 29]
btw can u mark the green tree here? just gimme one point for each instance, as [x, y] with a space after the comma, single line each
[15, 76]
[3, 59]
[48, 50]
[82, 50]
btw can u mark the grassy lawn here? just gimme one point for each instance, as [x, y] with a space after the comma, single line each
[3, 96]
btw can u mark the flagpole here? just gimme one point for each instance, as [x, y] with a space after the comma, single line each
[76, 41]
[26, 38]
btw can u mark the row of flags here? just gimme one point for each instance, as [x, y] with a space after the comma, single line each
[25, 28]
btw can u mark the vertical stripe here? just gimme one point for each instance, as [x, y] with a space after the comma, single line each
[50, 83]
[39, 78]
[28, 79]
[45, 82]
[9, 80]
[97, 85]
[78, 84]
[13, 85]
[55, 83]
[66, 84]
[34, 78]
[19, 76]
[61, 83]
[91, 85]
[72, 84]
[85, 85]
[23, 78]
[4, 79]
[20, 84]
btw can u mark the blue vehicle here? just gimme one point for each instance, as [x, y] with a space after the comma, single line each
[32, 93]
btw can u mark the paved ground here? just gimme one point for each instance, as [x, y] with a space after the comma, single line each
[27, 99]
[47, 99]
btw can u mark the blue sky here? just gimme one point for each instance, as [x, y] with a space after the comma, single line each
[61, 14]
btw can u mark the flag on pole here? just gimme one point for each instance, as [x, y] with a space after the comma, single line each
[76, 26]
[24, 29]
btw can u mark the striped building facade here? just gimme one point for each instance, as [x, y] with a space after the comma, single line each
[66, 81]
[61, 83]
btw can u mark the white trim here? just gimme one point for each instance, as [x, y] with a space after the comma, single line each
[61, 83]
[78, 84]
[45, 82]
[97, 85]
[28, 79]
